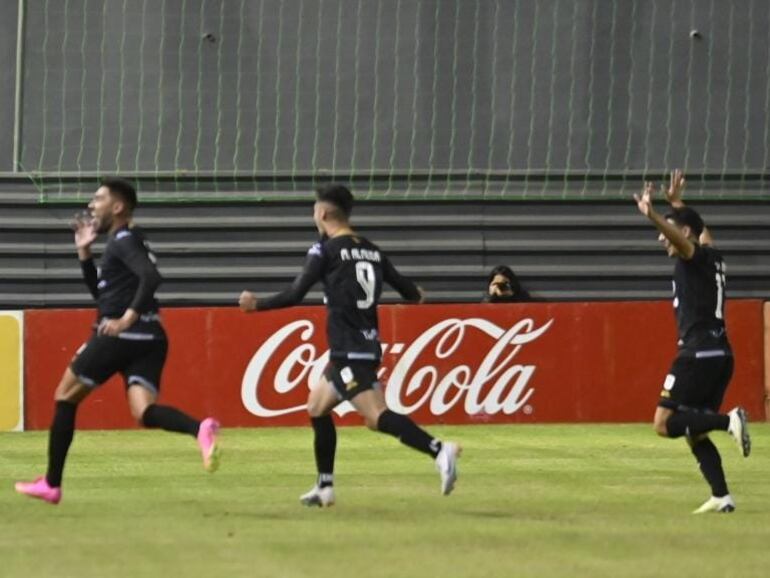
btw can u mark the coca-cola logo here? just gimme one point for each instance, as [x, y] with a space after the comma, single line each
[496, 383]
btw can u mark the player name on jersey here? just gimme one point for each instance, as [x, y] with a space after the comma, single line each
[356, 254]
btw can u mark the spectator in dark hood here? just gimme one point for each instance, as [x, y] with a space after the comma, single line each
[503, 287]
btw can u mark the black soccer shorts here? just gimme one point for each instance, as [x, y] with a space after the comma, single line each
[696, 383]
[139, 361]
[350, 378]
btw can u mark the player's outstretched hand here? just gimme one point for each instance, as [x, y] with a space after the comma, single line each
[85, 234]
[422, 293]
[247, 302]
[675, 190]
[644, 201]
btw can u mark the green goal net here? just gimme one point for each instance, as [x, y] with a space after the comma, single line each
[412, 99]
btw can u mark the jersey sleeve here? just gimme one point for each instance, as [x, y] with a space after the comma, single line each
[90, 276]
[310, 275]
[405, 286]
[132, 251]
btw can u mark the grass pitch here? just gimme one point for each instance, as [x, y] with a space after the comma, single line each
[598, 500]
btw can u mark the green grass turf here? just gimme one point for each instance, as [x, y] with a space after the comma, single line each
[598, 500]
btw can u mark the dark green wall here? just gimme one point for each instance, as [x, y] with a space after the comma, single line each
[395, 86]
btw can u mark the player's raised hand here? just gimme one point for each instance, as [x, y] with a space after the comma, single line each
[644, 201]
[675, 190]
[85, 233]
[247, 302]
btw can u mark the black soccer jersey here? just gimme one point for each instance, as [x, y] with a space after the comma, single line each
[699, 303]
[127, 278]
[352, 270]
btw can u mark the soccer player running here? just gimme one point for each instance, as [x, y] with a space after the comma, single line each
[693, 390]
[128, 337]
[352, 270]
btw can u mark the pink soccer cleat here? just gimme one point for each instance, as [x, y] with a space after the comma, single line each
[39, 489]
[207, 440]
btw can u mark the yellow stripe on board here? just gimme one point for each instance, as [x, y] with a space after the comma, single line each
[10, 371]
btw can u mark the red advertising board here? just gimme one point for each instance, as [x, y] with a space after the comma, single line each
[517, 363]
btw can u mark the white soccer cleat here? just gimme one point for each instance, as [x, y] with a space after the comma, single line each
[739, 429]
[723, 505]
[321, 497]
[446, 464]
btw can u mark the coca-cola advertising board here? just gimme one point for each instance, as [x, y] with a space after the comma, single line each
[455, 364]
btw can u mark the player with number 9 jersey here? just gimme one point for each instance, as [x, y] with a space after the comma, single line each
[352, 270]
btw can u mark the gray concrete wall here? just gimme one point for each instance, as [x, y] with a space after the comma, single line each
[562, 251]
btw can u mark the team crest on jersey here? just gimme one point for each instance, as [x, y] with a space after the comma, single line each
[315, 250]
[121, 234]
[370, 334]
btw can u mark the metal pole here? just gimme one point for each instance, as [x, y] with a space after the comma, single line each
[19, 81]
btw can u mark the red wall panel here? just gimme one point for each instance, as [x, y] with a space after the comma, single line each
[538, 362]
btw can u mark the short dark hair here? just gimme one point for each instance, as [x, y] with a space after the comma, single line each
[685, 216]
[337, 195]
[122, 189]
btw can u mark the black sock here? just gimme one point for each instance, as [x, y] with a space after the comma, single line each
[59, 440]
[170, 419]
[325, 446]
[694, 423]
[711, 466]
[408, 432]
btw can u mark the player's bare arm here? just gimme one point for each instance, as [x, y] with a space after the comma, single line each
[684, 246]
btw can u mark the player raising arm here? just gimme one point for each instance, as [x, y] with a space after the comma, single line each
[674, 195]
[693, 390]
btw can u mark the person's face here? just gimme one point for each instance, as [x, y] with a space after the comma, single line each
[500, 285]
[103, 208]
[671, 250]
